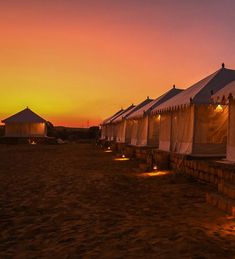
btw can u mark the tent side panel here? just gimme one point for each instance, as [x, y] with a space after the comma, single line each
[153, 130]
[182, 130]
[128, 131]
[134, 132]
[25, 130]
[165, 132]
[142, 131]
[210, 136]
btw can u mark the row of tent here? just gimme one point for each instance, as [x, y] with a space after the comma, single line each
[197, 121]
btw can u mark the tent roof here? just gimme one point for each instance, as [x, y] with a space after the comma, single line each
[139, 106]
[155, 103]
[124, 113]
[106, 121]
[225, 93]
[25, 115]
[199, 93]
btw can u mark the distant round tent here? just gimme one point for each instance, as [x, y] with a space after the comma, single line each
[25, 123]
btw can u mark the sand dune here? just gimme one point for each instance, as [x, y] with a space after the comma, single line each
[75, 201]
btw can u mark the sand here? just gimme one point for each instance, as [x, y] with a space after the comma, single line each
[76, 201]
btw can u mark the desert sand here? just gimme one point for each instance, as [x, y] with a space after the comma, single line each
[76, 201]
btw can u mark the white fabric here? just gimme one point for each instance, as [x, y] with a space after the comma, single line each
[210, 135]
[183, 98]
[153, 130]
[25, 130]
[225, 92]
[182, 130]
[165, 132]
[142, 134]
[121, 131]
[134, 132]
[128, 131]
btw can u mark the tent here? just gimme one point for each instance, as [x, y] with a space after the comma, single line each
[107, 127]
[148, 126]
[132, 124]
[227, 96]
[120, 124]
[25, 123]
[190, 122]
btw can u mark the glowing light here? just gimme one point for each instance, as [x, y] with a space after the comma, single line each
[108, 151]
[122, 159]
[219, 108]
[154, 167]
[151, 174]
[159, 117]
[123, 156]
[109, 148]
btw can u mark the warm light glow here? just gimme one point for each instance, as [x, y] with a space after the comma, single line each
[159, 117]
[109, 148]
[154, 167]
[123, 156]
[151, 174]
[108, 151]
[219, 108]
[122, 159]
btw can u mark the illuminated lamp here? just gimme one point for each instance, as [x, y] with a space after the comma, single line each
[219, 108]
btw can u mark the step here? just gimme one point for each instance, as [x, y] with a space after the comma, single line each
[227, 189]
[222, 202]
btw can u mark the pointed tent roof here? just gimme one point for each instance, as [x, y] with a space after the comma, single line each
[225, 93]
[139, 106]
[25, 115]
[108, 120]
[124, 114]
[201, 92]
[153, 104]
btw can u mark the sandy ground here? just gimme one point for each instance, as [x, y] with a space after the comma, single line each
[76, 201]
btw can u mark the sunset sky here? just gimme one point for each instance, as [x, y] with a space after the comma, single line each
[77, 60]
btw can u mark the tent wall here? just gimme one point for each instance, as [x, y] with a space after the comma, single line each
[134, 132]
[103, 132]
[165, 131]
[231, 132]
[121, 131]
[128, 131]
[153, 130]
[182, 130]
[25, 130]
[210, 134]
[142, 133]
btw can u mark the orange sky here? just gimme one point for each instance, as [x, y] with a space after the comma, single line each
[74, 61]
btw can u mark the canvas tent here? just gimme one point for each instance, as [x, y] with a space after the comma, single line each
[132, 124]
[120, 124]
[148, 126]
[25, 123]
[227, 96]
[190, 123]
[107, 128]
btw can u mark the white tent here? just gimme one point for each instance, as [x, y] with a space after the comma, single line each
[147, 126]
[120, 124]
[227, 96]
[190, 123]
[25, 123]
[107, 127]
[132, 125]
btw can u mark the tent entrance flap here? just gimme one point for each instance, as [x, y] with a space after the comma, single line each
[210, 135]
[165, 132]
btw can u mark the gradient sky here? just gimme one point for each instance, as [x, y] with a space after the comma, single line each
[73, 61]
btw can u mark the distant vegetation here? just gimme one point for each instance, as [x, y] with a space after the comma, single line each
[73, 134]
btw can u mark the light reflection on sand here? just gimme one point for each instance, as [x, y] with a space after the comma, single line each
[154, 173]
